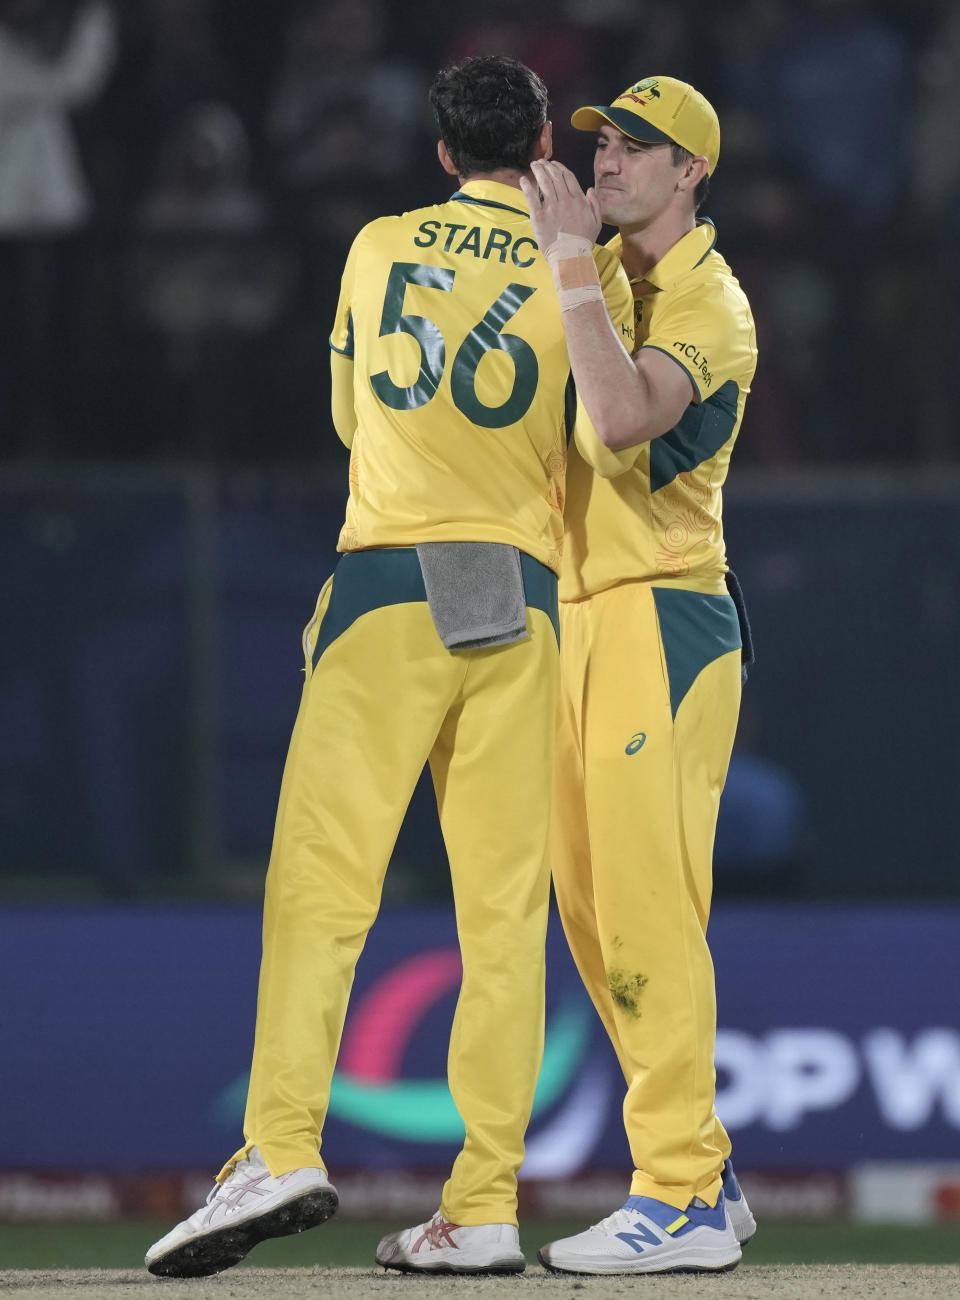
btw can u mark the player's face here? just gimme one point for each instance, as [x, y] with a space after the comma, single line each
[635, 181]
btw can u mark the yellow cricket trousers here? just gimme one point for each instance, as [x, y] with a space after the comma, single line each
[649, 704]
[383, 697]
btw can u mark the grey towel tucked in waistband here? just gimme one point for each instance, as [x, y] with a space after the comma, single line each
[475, 592]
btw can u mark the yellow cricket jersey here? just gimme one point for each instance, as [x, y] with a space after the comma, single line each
[461, 380]
[660, 520]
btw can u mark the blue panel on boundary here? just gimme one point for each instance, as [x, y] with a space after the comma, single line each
[126, 1035]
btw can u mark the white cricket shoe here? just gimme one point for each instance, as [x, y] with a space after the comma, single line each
[443, 1247]
[742, 1221]
[247, 1207]
[647, 1236]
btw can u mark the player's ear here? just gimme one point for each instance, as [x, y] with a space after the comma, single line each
[693, 173]
[446, 162]
[544, 145]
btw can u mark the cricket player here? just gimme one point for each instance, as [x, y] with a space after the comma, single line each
[652, 649]
[435, 640]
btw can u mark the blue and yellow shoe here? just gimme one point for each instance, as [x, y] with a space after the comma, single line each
[738, 1211]
[648, 1236]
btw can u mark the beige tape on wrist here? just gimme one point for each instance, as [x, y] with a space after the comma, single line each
[571, 298]
[570, 258]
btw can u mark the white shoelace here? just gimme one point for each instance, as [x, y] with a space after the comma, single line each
[613, 1222]
[621, 1218]
[217, 1188]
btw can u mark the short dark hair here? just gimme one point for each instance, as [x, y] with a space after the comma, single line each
[490, 110]
[682, 156]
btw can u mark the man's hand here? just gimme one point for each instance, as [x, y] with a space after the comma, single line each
[566, 223]
[558, 205]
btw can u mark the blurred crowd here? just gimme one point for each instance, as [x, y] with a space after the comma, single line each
[180, 181]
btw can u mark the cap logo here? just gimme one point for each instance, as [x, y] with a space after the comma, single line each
[646, 87]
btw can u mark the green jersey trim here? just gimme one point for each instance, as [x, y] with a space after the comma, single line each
[695, 630]
[347, 349]
[569, 407]
[713, 242]
[367, 580]
[460, 197]
[698, 436]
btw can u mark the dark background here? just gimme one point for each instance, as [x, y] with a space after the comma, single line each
[171, 487]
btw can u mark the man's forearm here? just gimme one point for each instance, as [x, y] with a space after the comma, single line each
[566, 222]
[609, 385]
[608, 382]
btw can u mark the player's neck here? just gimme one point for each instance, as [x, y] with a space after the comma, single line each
[504, 176]
[645, 245]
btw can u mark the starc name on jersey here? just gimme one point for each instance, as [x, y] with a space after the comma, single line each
[476, 241]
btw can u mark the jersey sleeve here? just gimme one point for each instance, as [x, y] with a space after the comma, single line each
[341, 352]
[708, 333]
[604, 461]
[342, 405]
[341, 336]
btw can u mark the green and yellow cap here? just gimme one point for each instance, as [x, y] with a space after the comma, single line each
[659, 110]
